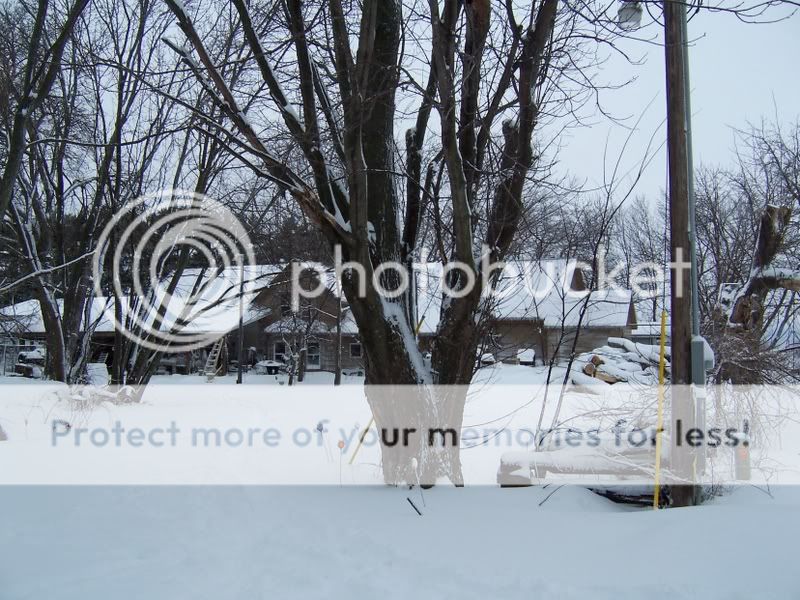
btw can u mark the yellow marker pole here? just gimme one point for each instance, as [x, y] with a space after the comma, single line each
[662, 359]
[372, 420]
[361, 440]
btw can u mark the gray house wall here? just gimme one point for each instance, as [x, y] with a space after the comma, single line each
[327, 346]
[512, 336]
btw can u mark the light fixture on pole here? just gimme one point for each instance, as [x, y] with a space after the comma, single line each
[629, 16]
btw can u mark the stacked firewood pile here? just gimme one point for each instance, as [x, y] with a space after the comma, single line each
[621, 361]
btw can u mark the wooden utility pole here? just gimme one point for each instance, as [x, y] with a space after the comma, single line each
[683, 414]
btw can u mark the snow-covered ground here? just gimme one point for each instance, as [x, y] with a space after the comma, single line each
[339, 540]
[255, 433]
[328, 542]
[187, 431]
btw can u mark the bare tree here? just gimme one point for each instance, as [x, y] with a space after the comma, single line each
[349, 184]
[640, 238]
[80, 168]
[41, 67]
[751, 236]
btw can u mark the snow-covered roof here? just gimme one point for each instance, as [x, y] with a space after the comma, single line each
[650, 328]
[256, 276]
[349, 326]
[214, 309]
[526, 290]
[292, 324]
[532, 290]
[28, 315]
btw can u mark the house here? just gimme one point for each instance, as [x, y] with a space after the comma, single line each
[540, 306]
[649, 333]
[11, 347]
[212, 312]
[537, 310]
[281, 332]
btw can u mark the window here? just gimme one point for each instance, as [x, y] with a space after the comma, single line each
[313, 356]
[355, 350]
[280, 351]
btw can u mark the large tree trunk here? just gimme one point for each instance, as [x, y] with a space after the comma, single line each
[57, 367]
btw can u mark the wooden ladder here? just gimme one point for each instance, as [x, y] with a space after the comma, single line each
[212, 368]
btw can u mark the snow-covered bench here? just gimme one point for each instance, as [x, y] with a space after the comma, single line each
[610, 457]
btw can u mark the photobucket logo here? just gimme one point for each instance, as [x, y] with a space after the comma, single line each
[389, 279]
[512, 281]
[159, 310]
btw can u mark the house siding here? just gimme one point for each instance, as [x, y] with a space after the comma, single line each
[512, 336]
[327, 349]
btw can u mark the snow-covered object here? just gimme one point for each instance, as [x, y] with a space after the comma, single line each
[581, 461]
[588, 384]
[624, 450]
[526, 357]
[267, 367]
[487, 358]
[30, 356]
[709, 359]
[611, 369]
[95, 395]
[616, 356]
[622, 360]
[649, 353]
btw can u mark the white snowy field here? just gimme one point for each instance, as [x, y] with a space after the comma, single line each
[221, 433]
[250, 542]
[131, 540]
[187, 431]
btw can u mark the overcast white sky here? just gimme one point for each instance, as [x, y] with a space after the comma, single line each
[740, 72]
